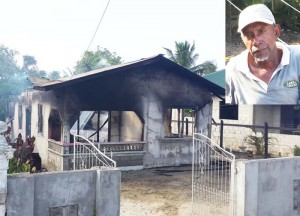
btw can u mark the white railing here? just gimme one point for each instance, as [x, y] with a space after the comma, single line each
[213, 176]
[86, 155]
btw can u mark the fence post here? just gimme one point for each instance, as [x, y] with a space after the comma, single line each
[266, 140]
[6, 153]
[108, 191]
[186, 126]
[221, 133]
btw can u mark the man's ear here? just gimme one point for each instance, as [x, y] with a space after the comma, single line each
[277, 30]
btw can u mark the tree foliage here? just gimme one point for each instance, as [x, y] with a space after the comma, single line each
[206, 67]
[30, 67]
[257, 140]
[54, 75]
[184, 55]
[12, 79]
[29, 63]
[93, 60]
[8, 64]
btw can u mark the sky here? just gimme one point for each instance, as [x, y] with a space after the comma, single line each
[58, 32]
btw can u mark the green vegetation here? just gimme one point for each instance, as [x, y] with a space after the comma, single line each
[184, 55]
[258, 141]
[93, 60]
[13, 77]
[296, 150]
[16, 166]
[21, 162]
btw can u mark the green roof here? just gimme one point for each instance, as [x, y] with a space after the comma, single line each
[217, 77]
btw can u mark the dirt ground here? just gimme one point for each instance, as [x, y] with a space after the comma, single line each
[158, 192]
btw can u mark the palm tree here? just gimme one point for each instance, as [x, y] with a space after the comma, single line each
[184, 54]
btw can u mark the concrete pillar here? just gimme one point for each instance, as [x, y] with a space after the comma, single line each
[6, 152]
[203, 120]
[108, 192]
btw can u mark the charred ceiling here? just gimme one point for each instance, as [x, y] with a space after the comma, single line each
[124, 87]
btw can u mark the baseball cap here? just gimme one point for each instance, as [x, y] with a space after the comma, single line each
[255, 13]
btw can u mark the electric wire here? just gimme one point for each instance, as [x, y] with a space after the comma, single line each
[70, 74]
[98, 26]
[290, 6]
[236, 7]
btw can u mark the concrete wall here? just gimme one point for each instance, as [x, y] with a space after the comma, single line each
[268, 187]
[131, 127]
[233, 136]
[253, 115]
[41, 144]
[162, 151]
[153, 116]
[203, 120]
[31, 100]
[172, 152]
[52, 193]
[265, 113]
[125, 126]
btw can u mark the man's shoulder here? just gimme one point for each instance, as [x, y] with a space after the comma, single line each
[294, 49]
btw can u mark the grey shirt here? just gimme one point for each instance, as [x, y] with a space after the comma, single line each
[242, 87]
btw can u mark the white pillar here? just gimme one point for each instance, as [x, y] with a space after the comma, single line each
[6, 152]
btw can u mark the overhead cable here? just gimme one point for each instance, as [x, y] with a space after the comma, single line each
[290, 6]
[234, 6]
[98, 26]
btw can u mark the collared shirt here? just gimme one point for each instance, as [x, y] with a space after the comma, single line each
[242, 87]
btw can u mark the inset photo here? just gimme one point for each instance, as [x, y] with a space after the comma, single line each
[262, 52]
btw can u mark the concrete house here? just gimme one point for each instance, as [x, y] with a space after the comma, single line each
[125, 108]
[283, 122]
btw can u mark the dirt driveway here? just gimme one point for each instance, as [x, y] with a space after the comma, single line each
[157, 192]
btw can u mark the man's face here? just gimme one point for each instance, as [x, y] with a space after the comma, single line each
[260, 40]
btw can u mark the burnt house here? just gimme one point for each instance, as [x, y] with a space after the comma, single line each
[126, 107]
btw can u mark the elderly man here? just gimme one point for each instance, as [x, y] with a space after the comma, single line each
[268, 72]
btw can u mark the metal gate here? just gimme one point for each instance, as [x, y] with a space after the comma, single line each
[213, 179]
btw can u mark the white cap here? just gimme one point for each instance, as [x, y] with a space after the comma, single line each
[255, 13]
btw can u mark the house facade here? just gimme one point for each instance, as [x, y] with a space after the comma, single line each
[125, 108]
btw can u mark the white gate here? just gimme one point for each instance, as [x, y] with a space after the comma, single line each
[213, 179]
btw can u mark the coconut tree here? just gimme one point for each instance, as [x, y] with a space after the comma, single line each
[184, 54]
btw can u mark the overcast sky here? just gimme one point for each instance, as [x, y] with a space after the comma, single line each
[58, 32]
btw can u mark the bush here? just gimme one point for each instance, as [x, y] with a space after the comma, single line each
[258, 141]
[296, 150]
[15, 166]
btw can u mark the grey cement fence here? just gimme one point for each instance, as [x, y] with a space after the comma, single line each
[76, 193]
[268, 187]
